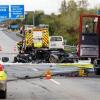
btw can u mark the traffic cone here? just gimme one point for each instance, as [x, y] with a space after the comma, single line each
[48, 74]
[1, 67]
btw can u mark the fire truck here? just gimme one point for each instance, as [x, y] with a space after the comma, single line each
[89, 39]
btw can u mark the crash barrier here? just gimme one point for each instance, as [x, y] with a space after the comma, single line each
[48, 70]
[82, 72]
[54, 64]
[80, 65]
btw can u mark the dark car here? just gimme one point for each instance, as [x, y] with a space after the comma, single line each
[61, 56]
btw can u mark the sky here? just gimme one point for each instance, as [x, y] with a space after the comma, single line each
[48, 6]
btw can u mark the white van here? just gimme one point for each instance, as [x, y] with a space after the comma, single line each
[56, 42]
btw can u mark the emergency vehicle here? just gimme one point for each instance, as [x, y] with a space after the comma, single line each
[89, 38]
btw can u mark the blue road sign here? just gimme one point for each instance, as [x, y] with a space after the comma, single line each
[98, 12]
[17, 11]
[4, 11]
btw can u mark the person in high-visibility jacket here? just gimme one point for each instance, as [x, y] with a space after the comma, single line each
[3, 75]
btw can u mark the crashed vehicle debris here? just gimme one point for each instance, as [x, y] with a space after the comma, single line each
[45, 56]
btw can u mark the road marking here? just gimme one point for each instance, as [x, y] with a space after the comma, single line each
[55, 81]
[35, 69]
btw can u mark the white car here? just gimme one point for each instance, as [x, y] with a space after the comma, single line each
[56, 42]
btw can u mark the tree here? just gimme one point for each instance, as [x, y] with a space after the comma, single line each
[30, 18]
[63, 8]
[72, 6]
[69, 22]
[83, 4]
[37, 17]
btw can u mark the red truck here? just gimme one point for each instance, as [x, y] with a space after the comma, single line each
[89, 38]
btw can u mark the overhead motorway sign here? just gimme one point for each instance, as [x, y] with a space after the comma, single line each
[98, 12]
[4, 11]
[17, 11]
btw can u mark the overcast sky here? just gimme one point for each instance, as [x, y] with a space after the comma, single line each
[48, 6]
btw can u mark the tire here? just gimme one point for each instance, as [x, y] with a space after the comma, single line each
[3, 94]
[15, 59]
[92, 60]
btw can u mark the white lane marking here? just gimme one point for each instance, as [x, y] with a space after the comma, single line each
[55, 81]
[35, 69]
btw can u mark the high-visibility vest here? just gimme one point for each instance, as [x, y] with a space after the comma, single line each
[3, 75]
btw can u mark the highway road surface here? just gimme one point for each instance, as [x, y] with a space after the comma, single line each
[12, 35]
[54, 89]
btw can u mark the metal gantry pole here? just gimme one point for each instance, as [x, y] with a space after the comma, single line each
[33, 18]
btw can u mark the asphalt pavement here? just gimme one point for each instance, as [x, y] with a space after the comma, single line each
[54, 89]
[12, 34]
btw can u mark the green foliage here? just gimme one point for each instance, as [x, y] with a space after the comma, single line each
[63, 8]
[37, 17]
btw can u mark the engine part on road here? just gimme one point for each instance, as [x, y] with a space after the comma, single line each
[53, 58]
[44, 56]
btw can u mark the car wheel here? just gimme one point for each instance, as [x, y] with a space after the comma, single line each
[3, 94]
[15, 59]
